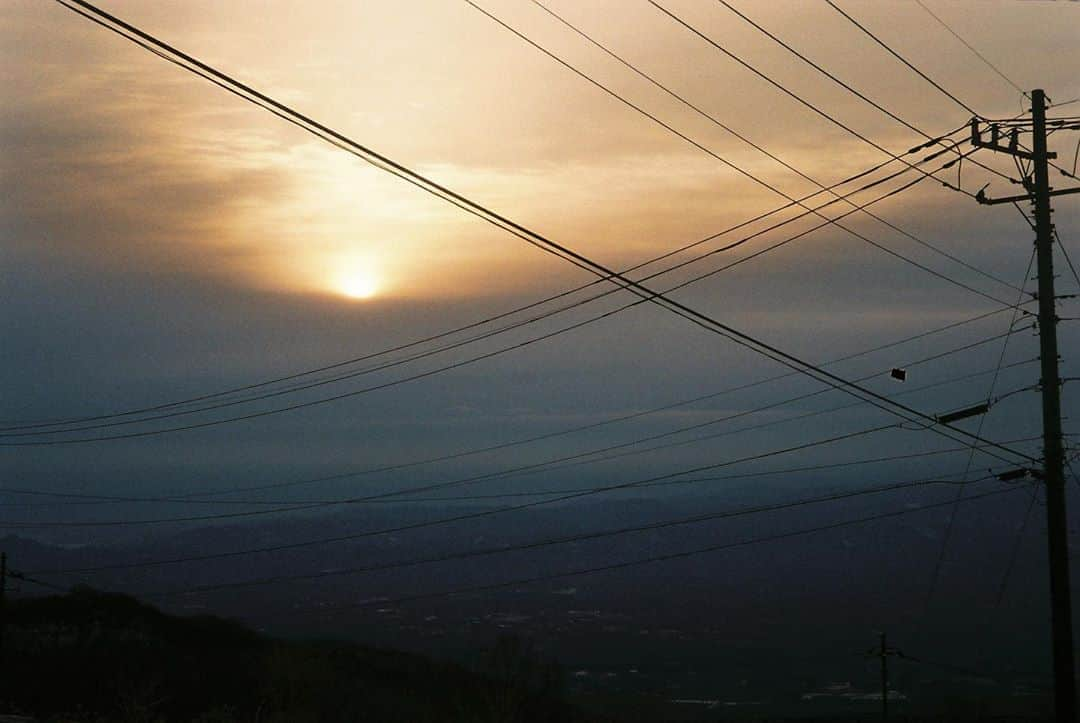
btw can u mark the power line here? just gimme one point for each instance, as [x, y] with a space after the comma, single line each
[1014, 553]
[89, 499]
[945, 538]
[231, 402]
[626, 417]
[1065, 253]
[567, 539]
[124, 419]
[540, 241]
[334, 141]
[787, 91]
[668, 127]
[655, 119]
[1053, 125]
[902, 59]
[526, 307]
[957, 668]
[474, 324]
[712, 118]
[383, 601]
[144, 433]
[447, 485]
[546, 465]
[653, 297]
[730, 245]
[393, 496]
[474, 359]
[482, 513]
[970, 47]
[26, 578]
[505, 349]
[721, 478]
[861, 96]
[582, 458]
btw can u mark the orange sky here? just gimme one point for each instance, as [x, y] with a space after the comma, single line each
[184, 177]
[162, 238]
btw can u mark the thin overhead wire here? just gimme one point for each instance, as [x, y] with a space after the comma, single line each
[76, 498]
[787, 91]
[97, 439]
[441, 486]
[708, 151]
[648, 295]
[1003, 585]
[14, 575]
[566, 539]
[609, 454]
[592, 456]
[123, 420]
[1023, 215]
[221, 80]
[1068, 260]
[474, 515]
[622, 418]
[972, 48]
[17, 426]
[586, 427]
[1064, 103]
[1010, 563]
[854, 91]
[713, 119]
[652, 559]
[963, 669]
[540, 241]
[902, 59]
[230, 394]
[384, 600]
[950, 523]
[364, 390]
[671, 129]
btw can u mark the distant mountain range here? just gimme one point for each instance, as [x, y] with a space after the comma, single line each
[772, 620]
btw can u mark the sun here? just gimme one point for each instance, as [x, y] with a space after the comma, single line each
[358, 286]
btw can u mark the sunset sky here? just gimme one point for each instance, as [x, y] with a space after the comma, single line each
[162, 239]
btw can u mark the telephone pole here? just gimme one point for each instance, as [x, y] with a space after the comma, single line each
[3, 626]
[3, 602]
[1060, 593]
[1039, 193]
[884, 653]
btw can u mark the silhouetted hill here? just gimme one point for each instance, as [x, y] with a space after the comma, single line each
[93, 656]
[758, 626]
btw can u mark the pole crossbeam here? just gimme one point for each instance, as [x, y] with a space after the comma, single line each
[987, 201]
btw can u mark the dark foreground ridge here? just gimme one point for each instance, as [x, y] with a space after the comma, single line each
[90, 656]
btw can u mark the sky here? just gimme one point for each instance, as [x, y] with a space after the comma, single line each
[163, 240]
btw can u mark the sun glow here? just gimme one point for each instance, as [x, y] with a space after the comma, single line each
[358, 286]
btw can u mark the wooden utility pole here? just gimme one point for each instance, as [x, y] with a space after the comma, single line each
[884, 679]
[883, 651]
[3, 600]
[1060, 594]
[1039, 193]
[3, 625]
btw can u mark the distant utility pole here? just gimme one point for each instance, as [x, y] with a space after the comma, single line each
[1039, 193]
[884, 651]
[3, 600]
[3, 625]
